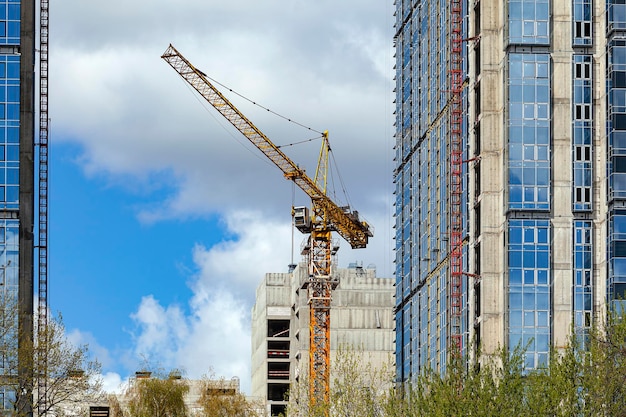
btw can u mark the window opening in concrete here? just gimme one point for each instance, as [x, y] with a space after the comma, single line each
[278, 349]
[278, 370]
[278, 328]
[277, 392]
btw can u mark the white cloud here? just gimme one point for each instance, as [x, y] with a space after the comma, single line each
[325, 64]
[113, 383]
[96, 350]
[215, 334]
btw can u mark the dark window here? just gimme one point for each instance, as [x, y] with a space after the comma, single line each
[583, 153]
[582, 29]
[278, 409]
[619, 121]
[278, 328]
[582, 195]
[619, 79]
[619, 248]
[583, 70]
[277, 392]
[619, 164]
[619, 291]
[278, 370]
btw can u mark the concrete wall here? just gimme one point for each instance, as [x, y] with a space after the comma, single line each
[488, 173]
[361, 319]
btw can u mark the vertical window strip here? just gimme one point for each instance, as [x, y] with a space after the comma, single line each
[616, 118]
[529, 308]
[9, 131]
[616, 15]
[616, 285]
[529, 115]
[9, 23]
[582, 128]
[400, 359]
[529, 22]
[443, 319]
[583, 284]
[582, 24]
[406, 338]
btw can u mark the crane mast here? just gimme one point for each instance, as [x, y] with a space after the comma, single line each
[325, 217]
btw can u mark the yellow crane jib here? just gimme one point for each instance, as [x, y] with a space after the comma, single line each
[324, 217]
[345, 222]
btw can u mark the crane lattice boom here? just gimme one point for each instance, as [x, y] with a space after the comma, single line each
[346, 223]
[326, 217]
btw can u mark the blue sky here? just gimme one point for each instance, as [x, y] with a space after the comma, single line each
[163, 220]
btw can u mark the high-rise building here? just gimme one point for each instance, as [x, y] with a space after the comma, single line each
[543, 174]
[361, 321]
[17, 186]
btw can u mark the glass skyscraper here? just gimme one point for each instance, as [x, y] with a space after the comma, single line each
[17, 97]
[544, 175]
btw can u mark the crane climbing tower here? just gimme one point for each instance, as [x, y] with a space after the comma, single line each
[324, 217]
[42, 242]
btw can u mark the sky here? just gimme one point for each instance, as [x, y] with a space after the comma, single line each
[163, 218]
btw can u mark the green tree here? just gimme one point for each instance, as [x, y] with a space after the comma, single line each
[115, 408]
[64, 377]
[157, 396]
[219, 399]
[359, 387]
[586, 378]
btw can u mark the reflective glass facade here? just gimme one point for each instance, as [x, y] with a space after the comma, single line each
[529, 21]
[545, 175]
[529, 289]
[582, 131]
[10, 22]
[583, 280]
[12, 128]
[616, 161]
[529, 131]
[421, 186]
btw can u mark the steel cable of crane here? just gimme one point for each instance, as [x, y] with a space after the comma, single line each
[334, 162]
[263, 107]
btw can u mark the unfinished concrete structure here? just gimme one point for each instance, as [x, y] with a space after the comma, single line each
[544, 168]
[361, 319]
[102, 406]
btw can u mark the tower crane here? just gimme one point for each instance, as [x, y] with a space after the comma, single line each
[324, 217]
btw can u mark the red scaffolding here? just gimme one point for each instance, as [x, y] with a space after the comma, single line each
[456, 169]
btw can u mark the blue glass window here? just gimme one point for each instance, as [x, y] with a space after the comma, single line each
[583, 284]
[529, 289]
[9, 22]
[616, 119]
[529, 132]
[582, 23]
[582, 128]
[9, 131]
[529, 22]
[617, 255]
[406, 338]
[422, 206]
[399, 344]
[616, 10]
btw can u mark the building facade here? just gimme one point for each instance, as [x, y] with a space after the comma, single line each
[544, 174]
[17, 112]
[361, 319]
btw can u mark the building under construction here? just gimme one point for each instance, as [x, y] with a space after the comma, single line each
[362, 319]
[23, 183]
[510, 214]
